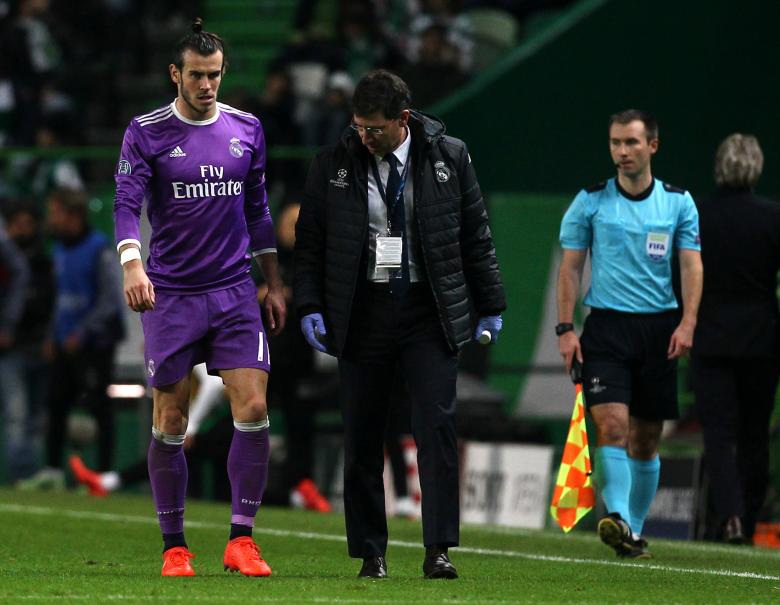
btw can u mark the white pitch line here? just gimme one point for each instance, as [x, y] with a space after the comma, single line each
[76, 514]
[702, 547]
[222, 598]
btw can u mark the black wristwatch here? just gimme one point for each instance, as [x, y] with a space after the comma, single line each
[563, 328]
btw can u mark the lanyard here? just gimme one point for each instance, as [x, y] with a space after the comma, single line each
[381, 188]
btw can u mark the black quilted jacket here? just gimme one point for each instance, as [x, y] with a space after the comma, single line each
[457, 247]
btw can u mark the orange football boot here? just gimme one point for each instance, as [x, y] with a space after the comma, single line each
[242, 554]
[311, 497]
[87, 477]
[176, 562]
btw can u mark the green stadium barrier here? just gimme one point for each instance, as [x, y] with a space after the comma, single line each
[537, 120]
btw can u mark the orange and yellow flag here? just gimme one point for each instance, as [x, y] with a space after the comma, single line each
[573, 496]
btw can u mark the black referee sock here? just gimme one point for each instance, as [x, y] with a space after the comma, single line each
[173, 540]
[239, 531]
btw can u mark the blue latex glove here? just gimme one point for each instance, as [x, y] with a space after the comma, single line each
[492, 324]
[313, 328]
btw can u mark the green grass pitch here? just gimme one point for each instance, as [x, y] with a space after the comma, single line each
[67, 548]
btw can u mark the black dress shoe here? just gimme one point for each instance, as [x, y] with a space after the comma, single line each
[437, 565]
[373, 567]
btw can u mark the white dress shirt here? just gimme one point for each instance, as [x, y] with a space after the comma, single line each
[377, 213]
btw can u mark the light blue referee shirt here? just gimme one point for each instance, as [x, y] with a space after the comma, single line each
[630, 240]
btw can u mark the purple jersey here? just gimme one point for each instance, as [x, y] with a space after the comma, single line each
[204, 183]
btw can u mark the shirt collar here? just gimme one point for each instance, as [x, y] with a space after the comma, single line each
[402, 152]
[206, 122]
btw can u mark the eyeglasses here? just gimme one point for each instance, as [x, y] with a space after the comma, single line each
[372, 130]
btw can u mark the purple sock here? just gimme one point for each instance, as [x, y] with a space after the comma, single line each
[168, 474]
[247, 466]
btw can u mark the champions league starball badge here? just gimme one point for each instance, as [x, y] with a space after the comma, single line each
[442, 172]
[235, 148]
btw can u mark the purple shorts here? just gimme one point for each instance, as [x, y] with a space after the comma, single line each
[223, 329]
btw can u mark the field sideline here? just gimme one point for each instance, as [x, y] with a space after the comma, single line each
[67, 548]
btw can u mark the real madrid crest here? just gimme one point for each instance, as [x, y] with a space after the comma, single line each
[442, 172]
[235, 148]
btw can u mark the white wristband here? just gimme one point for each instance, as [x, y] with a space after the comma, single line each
[128, 254]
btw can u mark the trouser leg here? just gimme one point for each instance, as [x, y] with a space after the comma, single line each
[364, 410]
[430, 369]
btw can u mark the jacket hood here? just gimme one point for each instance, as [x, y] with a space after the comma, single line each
[422, 126]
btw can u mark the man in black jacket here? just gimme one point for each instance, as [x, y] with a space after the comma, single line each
[393, 252]
[736, 347]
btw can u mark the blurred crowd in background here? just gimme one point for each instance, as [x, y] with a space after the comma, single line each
[76, 73]
[71, 77]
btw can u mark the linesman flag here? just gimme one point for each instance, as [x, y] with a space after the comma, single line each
[573, 496]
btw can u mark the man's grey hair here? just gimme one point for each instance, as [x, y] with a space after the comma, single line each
[738, 161]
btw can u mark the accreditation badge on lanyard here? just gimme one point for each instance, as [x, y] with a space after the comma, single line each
[389, 251]
[390, 245]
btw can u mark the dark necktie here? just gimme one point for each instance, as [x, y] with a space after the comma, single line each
[399, 278]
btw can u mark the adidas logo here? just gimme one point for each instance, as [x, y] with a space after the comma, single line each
[177, 153]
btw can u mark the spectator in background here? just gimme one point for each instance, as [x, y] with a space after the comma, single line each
[457, 28]
[436, 73]
[36, 176]
[14, 277]
[365, 45]
[736, 350]
[32, 56]
[335, 108]
[86, 329]
[24, 369]
[308, 61]
[276, 105]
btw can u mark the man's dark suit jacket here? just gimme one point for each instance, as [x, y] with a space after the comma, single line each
[740, 242]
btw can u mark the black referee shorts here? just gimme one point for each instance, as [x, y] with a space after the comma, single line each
[625, 362]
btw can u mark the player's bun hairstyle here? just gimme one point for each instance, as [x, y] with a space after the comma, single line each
[381, 91]
[629, 115]
[202, 42]
[739, 161]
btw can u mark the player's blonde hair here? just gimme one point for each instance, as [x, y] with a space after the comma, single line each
[738, 161]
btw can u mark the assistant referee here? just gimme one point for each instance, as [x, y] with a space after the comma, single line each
[634, 334]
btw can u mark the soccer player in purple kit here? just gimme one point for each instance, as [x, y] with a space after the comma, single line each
[200, 165]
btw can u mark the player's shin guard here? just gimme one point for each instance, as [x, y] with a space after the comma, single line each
[615, 479]
[644, 484]
[168, 475]
[248, 469]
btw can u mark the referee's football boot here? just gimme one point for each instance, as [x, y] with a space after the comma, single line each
[243, 555]
[639, 550]
[176, 562]
[615, 533]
